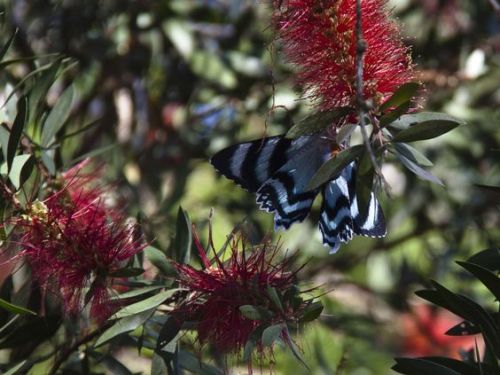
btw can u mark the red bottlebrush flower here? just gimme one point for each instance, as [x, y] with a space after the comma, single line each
[217, 293]
[319, 38]
[73, 240]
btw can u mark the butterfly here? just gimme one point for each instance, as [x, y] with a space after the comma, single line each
[278, 169]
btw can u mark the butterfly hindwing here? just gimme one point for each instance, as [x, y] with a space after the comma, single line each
[336, 222]
[340, 215]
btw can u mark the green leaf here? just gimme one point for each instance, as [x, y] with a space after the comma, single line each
[40, 88]
[127, 324]
[364, 183]
[16, 368]
[7, 45]
[17, 130]
[183, 237]
[334, 166]
[419, 171]
[193, 364]
[137, 292]
[488, 278]
[464, 328]
[317, 122]
[255, 312]
[418, 366]
[345, 132]
[14, 308]
[22, 166]
[311, 312]
[146, 304]
[402, 95]
[159, 260]
[423, 125]
[48, 160]
[392, 116]
[467, 309]
[272, 333]
[295, 351]
[57, 116]
[4, 139]
[273, 295]
[489, 258]
[168, 331]
[412, 154]
[127, 272]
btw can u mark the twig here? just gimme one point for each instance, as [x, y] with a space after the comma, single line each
[360, 51]
[84, 340]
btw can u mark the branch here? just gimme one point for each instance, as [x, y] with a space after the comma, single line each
[360, 101]
[84, 340]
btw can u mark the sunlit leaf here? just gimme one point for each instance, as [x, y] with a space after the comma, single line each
[7, 45]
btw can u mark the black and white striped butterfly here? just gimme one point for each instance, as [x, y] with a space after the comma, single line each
[278, 170]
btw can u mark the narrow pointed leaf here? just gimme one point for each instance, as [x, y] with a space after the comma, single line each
[159, 260]
[464, 328]
[419, 171]
[311, 312]
[423, 125]
[57, 116]
[412, 154]
[488, 278]
[317, 122]
[14, 308]
[168, 331]
[332, 168]
[7, 45]
[419, 366]
[272, 333]
[273, 294]
[345, 132]
[255, 312]
[393, 115]
[489, 258]
[183, 237]
[402, 95]
[17, 129]
[22, 166]
[145, 304]
[127, 324]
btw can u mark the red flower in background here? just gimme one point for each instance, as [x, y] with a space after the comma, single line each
[217, 292]
[73, 241]
[319, 38]
[424, 333]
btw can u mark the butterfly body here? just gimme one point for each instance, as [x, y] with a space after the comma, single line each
[278, 170]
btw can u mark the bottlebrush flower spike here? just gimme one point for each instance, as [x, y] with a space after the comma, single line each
[319, 38]
[232, 300]
[73, 241]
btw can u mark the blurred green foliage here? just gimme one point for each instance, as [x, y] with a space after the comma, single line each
[160, 86]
